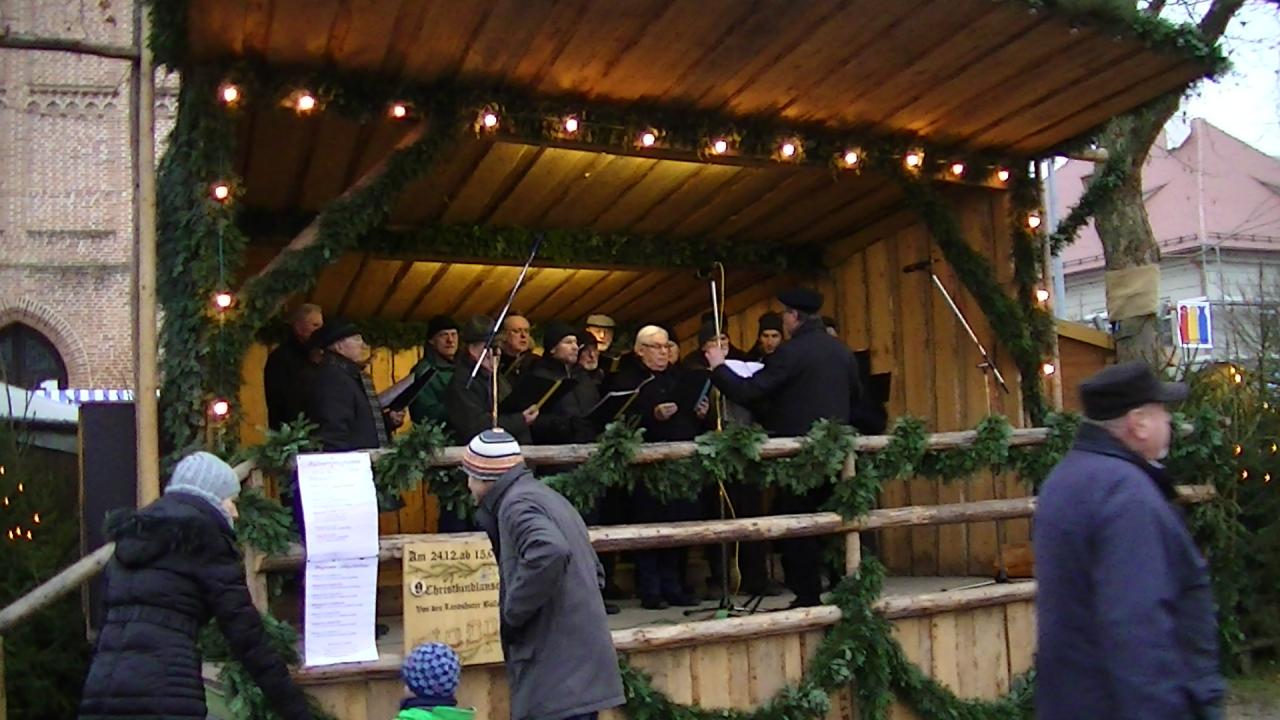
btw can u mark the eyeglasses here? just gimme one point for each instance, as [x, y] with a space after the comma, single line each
[653, 346]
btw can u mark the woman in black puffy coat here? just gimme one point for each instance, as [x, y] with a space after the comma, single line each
[175, 566]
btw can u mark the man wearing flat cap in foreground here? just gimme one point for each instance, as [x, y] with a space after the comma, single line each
[1126, 612]
[811, 377]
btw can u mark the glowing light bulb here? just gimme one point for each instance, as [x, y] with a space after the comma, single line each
[399, 111]
[1273, 452]
[914, 160]
[1237, 378]
[489, 120]
[10, 534]
[219, 408]
[1244, 474]
[19, 487]
[306, 102]
[787, 150]
[1033, 221]
[1003, 175]
[957, 169]
[1048, 369]
[1042, 295]
[29, 535]
[720, 147]
[221, 191]
[36, 518]
[851, 158]
[571, 124]
[223, 300]
[648, 139]
[1237, 451]
[230, 94]
[1266, 477]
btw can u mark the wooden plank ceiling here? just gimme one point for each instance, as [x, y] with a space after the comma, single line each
[973, 72]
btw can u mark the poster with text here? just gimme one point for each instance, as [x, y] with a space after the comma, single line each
[451, 596]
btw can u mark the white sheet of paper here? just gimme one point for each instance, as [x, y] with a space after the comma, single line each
[340, 611]
[339, 505]
[744, 368]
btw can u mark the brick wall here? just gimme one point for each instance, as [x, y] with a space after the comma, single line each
[66, 199]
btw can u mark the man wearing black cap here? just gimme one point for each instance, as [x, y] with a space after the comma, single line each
[341, 399]
[469, 403]
[441, 353]
[1126, 611]
[563, 419]
[811, 377]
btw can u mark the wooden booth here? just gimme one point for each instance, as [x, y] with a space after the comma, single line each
[390, 161]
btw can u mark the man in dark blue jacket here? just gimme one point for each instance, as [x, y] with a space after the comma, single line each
[1126, 613]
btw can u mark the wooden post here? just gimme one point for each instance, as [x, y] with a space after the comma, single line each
[144, 263]
[254, 578]
[1046, 279]
[4, 702]
[852, 541]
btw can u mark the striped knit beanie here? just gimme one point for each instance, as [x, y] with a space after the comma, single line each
[431, 671]
[491, 454]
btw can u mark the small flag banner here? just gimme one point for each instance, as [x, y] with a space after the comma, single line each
[1194, 324]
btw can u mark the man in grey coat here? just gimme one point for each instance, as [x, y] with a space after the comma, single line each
[1126, 613]
[559, 654]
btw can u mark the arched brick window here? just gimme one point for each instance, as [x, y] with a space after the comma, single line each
[27, 358]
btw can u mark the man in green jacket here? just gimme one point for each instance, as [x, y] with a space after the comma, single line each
[441, 351]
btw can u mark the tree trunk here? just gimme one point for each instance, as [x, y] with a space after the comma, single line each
[1121, 219]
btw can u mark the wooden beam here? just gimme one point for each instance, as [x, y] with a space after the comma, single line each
[79, 47]
[712, 532]
[311, 232]
[664, 637]
[55, 587]
[145, 341]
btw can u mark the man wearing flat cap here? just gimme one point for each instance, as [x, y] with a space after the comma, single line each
[340, 396]
[811, 377]
[1126, 612]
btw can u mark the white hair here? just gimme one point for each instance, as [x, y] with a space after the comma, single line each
[650, 334]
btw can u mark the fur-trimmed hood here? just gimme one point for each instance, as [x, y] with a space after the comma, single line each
[174, 524]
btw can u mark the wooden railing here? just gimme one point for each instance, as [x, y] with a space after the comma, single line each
[634, 537]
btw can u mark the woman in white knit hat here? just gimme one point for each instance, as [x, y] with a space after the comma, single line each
[175, 567]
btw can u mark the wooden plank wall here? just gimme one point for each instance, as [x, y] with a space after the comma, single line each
[976, 653]
[913, 334]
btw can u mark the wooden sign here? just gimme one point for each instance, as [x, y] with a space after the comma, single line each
[451, 596]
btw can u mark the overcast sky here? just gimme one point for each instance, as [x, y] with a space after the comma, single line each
[1245, 103]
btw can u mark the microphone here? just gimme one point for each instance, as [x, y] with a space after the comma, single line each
[916, 267]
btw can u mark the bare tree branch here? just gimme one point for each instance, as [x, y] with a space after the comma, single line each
[1154, 7]
[1215, 21]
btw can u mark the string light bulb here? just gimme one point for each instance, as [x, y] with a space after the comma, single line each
[221, 191]
[399, 111]
[36, 518]
[1048, 369]
[1002, 175]
[648, 138]
[720, 146]
[1244, 474]
[1237, 451]
[1042, 295]
[1273, 451]
[914, 160]
[1033, 221]
[1237, 378]
[306, 102]
[20, 487]
[1266, 478]
[571, 125]
[29, 535]
[851, 158]
[957, 169]
[219, 408]
[229, 93]
[223, 300]
[489, 120]
[787, 150]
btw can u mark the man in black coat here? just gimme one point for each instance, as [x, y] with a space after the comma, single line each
[563, 420]
[1127, 625]
[469, 403]
[340, 396]
[657, 409]
[282, 381]
[175, 567]
[811, 377]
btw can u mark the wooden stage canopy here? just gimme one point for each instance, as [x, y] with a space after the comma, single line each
[977, 74]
